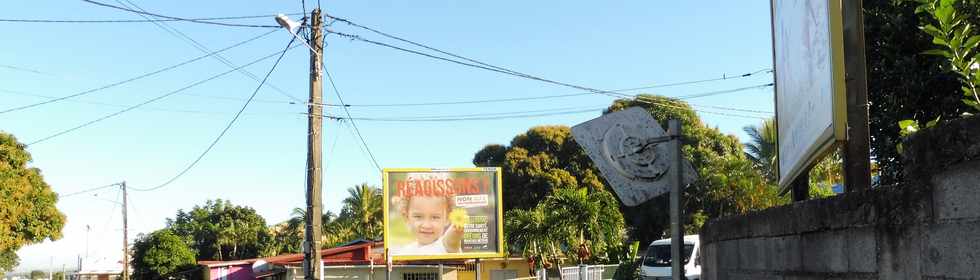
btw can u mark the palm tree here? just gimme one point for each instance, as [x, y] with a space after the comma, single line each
[762, 147]
[531, 232]
[297, 221]
[579, 217]
[363, 207]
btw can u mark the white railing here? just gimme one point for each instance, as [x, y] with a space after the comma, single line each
[589, 272]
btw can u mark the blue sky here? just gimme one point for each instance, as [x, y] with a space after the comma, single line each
[261, 161]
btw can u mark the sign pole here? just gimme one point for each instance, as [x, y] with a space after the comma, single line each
[856, 151]
[676, 201]
[477, 269]
[801, 186]
[387, 264]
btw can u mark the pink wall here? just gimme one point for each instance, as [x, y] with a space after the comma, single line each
[235, 272]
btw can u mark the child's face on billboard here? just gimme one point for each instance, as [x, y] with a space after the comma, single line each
[427, 218]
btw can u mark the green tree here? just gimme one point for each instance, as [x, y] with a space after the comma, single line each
[160, 253]
[28, 212]
[8, 261]
[220, 230]
[958, 45]
[761, 148]
[537, 162]
[532, 234]
[587, 223]
[903, 82]
[59, 275]
[363, 207]
[37, 274]
[287, 237]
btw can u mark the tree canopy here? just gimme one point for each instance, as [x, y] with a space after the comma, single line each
[903, 82]
[28, 213]
[220, 230]
[160, 254]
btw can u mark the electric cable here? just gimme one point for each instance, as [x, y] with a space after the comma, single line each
[178, 18]
[227, 127]
[351, 23]
[197, 45]
[352, 123]
[172, 110]
[713, 93]
[88, 190]
[148, 74]
[455, 119]
[134, 20]
[127, 109]
[592, 90]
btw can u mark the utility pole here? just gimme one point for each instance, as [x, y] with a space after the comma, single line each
[125, 258]
[314, 267]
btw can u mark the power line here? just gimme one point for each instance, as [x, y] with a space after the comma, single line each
[454, 118]
[161, 70]
[713, 93]
[592, 90]
[194, 43]
[24, 20]
[430, 117]
[22, 69]
[723, 77]
[88, 190]
[423, 46]
[127, 109]
[478, 101]
[178, 18]
[172, 110]
[227, 127]
[485, 66]
[352, 123]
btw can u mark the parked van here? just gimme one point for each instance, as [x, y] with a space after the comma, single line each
[657, 260]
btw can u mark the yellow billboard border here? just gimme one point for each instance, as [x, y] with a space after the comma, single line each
[838, 128]
[501, 239]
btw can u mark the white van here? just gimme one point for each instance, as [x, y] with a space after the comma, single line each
[656, 262]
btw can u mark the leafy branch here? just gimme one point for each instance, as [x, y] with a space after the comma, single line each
[957, 44]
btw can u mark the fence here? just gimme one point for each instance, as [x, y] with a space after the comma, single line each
[589, 272]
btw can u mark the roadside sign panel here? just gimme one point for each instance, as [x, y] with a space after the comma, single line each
[443, 213]
[623, 145]
[809, 67]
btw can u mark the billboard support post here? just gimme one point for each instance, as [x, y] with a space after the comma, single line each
[801, 186]
[676, 201]
[478, 269]
[387, 264]
[856, 151]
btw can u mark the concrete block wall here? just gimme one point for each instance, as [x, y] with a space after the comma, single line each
[927, 228]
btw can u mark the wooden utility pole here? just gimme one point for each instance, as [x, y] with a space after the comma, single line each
[314, 267]
[125, 259]
[856, 151]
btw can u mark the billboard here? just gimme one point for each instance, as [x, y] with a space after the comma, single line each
[443, 213]
[809, 62]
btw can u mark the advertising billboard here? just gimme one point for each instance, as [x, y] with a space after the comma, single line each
[809, 62]
[443, 213]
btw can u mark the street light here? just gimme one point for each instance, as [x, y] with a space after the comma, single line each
[292, 26]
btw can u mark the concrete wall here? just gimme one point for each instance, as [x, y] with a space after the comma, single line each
[927, 228]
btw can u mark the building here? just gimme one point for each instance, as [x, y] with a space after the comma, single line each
[364, 260]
